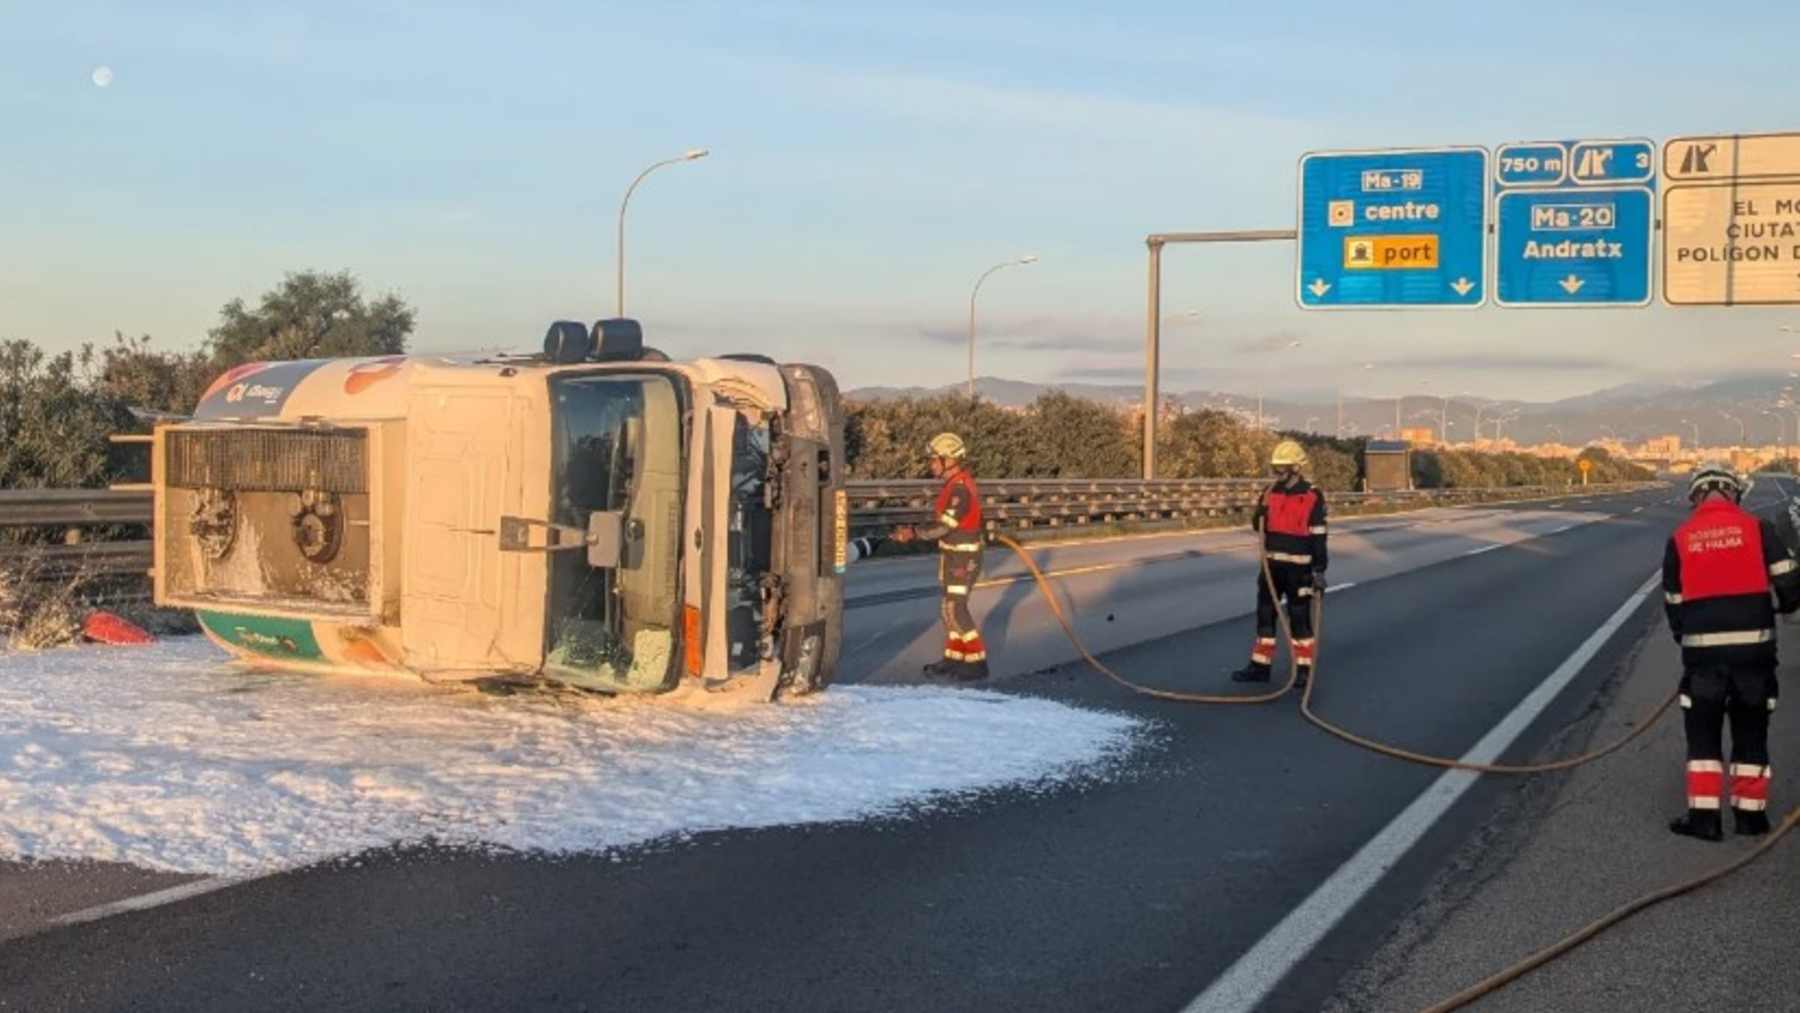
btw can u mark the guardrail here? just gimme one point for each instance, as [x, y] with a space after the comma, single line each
[1012, 504]
[1028, 503]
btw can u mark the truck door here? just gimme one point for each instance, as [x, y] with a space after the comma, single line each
[618, 446]
[460, 479]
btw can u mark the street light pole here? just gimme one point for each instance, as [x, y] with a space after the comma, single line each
[686, 156]
[1259, 393]
[1027, 259]
[1743, 432]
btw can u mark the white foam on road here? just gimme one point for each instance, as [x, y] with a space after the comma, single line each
[168, 758]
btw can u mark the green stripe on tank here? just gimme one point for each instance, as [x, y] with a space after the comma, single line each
[276, 638]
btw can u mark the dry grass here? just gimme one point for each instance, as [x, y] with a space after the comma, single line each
[41, 608]
[37, 610]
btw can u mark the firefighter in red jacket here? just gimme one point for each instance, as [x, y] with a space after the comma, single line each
[956, 527]
[1291, 518]
[1719, 570]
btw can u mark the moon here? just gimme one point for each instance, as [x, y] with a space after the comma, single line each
[103, 76]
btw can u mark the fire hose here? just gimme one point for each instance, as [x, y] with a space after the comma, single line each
[1523, 967]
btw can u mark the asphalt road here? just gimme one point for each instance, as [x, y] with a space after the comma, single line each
[1129, 893]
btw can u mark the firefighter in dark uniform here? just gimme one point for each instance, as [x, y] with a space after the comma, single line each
[1719, 571]
[1291, 517]
[956, 527]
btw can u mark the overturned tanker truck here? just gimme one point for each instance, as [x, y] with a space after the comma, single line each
[596, 515]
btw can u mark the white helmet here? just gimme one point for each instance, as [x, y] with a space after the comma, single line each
[1715, 477]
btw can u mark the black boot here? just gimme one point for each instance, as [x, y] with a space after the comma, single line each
[942, 669]
[1303, 677]
[1701, 823]
[1749, 822]
[1251, 672]
[972, 671]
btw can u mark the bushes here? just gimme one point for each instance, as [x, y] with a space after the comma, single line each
[56, 411]
[1456, 469]
[54, 419]
[1060, 436]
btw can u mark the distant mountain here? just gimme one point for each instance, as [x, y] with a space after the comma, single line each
[1741, 409]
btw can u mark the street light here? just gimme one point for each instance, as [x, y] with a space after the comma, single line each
[1030, 258]
[686, 156]
[1259, 394]
[1478, 410]
[1742, 431]
[1500, 423]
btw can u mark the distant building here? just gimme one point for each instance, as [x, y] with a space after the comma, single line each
[1662, 446]
[1419, 435]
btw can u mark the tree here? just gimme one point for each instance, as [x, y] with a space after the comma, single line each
[159, 381]
[1072, 437]
[53, 423]
[309, 316]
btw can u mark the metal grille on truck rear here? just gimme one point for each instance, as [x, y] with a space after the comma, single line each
[265, 460]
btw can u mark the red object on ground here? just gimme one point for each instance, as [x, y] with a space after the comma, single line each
[106, 628]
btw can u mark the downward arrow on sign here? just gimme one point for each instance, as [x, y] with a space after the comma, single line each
[1571, 284]
[1318, 288]
[1462, 286]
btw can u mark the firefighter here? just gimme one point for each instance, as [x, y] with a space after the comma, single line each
[1719, 569]
[1291, 517]
[956, 527]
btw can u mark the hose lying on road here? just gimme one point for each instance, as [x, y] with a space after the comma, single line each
[1398, 753]
[1592, 929]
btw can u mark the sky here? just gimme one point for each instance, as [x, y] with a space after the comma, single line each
[868, 163]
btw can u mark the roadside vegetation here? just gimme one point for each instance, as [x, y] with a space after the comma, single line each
[1060, 436]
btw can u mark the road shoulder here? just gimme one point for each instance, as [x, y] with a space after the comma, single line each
[1565, 850]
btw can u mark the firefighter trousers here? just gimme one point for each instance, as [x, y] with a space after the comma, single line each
[1744, 696]
[958, 573]
[1295, 586]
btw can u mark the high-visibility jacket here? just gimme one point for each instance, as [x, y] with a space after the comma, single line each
[1719, 569]
[1292, 521]
[956, 517]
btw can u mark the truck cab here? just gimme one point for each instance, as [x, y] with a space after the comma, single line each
[594, 515]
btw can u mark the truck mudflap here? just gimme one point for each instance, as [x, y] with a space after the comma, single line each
[810, 546]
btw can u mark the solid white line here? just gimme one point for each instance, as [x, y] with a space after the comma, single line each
[1335, 588]
[1485, 548]
[1558, 531]
[145, 901]
[1255, 974]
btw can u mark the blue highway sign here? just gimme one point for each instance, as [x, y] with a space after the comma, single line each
[1393, 229]
[1575, 223]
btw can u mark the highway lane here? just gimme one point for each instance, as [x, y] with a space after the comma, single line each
[1131, 893]
[1127, 591]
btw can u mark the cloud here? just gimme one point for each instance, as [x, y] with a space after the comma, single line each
[1267, 343]
[1126, 374]
[1520, 363]
[1034, 334]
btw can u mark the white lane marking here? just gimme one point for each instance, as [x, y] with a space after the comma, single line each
[1558, 531]
[1335, 588]
[1255, 974]
[145, 901]
[1485, 548]
[1637, 510]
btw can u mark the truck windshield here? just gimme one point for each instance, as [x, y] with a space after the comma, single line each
[617, 441]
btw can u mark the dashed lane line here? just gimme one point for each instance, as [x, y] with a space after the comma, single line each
[145, 901]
